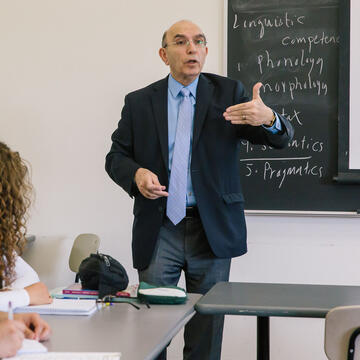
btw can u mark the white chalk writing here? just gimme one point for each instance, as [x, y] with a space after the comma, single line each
[272, 170]
[262, 22]
[265, 60]
[317, 86]
[311, 40]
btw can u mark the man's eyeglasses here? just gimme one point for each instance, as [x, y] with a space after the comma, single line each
[199, 43]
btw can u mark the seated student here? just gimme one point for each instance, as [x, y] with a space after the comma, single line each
[11, 337]
[13, 332]
[26, 289]
[19, 282]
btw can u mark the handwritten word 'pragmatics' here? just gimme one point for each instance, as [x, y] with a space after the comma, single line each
[273, 169]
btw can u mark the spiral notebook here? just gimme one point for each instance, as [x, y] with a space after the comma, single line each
[62, 307]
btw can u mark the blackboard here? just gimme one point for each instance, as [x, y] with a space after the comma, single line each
[292, 47]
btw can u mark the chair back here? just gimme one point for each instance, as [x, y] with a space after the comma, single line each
[84, 245]
[342, 329]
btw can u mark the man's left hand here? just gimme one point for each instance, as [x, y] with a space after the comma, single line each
[254, 112]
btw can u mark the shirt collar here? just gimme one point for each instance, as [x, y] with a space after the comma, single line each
[175, 86]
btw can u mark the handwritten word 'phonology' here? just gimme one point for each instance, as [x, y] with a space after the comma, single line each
[264, 22]
[311, 40]
[301, 61]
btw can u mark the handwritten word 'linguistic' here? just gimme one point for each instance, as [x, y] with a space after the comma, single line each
[262, 22]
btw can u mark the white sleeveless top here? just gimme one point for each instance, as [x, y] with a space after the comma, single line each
[25, 275]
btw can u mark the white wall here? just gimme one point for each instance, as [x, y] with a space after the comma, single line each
[65, 67]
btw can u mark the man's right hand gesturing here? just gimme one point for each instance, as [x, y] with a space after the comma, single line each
[149, 185]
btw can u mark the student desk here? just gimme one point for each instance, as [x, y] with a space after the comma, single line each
[137, 334]
[265, 300]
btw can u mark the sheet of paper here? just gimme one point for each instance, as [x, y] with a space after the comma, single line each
[69, 356]
[31, 346]
[62, 307]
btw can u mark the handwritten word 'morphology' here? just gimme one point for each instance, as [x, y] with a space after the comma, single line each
[300, 61]
[263, 22]
[294, 84]
[311, 40]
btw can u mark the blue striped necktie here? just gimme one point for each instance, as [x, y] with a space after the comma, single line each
[176, 201]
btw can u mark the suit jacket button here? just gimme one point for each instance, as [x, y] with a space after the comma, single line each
[161, 208]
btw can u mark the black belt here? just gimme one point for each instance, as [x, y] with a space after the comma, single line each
[192, 212]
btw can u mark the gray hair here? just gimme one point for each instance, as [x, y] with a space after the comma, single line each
[163, 40]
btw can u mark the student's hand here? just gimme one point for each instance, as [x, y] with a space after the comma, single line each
[38, 294]
[11, 337]
[37, 328]
[149, 185]
[254, 112]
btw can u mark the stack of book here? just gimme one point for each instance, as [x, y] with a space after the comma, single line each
[75, 291]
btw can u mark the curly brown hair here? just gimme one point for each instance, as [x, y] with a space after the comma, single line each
[15, 199]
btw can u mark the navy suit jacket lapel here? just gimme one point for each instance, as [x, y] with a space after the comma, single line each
[160, 103]
[203, 99]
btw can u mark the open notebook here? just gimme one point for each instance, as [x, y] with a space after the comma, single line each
[62, 307]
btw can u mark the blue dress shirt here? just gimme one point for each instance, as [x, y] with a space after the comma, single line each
[174, 99]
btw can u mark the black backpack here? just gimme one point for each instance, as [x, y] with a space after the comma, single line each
[104, 273]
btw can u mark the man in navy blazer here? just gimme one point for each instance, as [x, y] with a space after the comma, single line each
[213, 230]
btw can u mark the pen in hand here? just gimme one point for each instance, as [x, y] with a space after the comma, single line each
[10, 312]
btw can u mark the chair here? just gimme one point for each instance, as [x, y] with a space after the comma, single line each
[84, 245]
[342, 327]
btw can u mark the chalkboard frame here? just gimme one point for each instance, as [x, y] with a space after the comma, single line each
[345, 175]
[343, 126]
